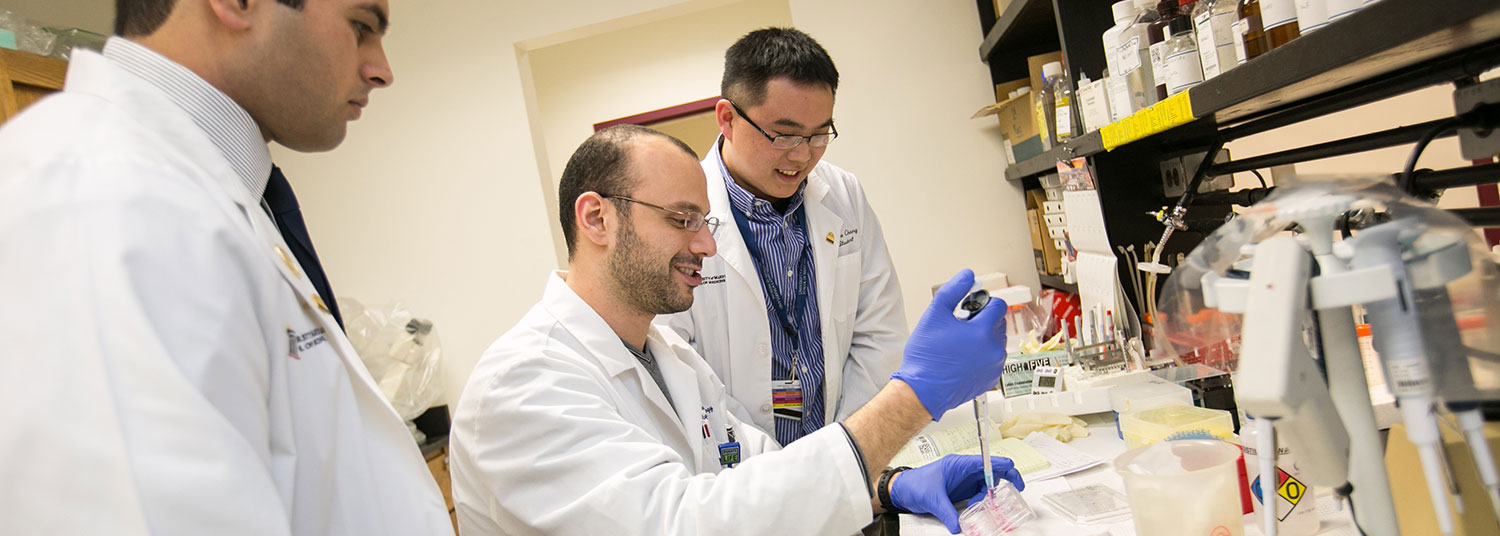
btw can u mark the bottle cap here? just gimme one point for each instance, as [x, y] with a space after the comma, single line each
[1185, 3]
[1124, 11]
[1052, 69]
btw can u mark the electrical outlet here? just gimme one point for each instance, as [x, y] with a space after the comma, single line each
[1477, 144]
[1178, 171]
[1173, 177]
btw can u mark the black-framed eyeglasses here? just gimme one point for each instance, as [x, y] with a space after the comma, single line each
[689, 221]
[788, 141]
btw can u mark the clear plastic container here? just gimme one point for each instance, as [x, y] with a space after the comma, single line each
[1174, 421]
[1089, 505]
[1002, 511]
[1183, 487]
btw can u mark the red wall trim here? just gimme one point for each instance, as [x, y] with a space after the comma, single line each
[657, 116]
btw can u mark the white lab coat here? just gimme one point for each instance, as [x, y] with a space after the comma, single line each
[859, 300]
[149, 382]
[562, 431]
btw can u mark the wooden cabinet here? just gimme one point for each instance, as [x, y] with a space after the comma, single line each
[25, 78]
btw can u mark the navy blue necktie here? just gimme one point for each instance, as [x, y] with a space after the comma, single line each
[282, 204]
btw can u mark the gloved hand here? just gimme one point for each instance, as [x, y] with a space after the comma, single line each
[950, 361]
[933, 488]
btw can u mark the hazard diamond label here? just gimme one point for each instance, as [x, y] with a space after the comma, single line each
[1289, 490]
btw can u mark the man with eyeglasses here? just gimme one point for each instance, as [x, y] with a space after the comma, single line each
[800, 314]
[585, 418]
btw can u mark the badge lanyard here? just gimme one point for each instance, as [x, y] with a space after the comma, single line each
[786, 395]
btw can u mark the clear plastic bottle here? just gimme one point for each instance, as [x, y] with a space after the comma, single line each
[1137, 70]
[1166, 11]
[1183, 68]
[1065, 120]
[1116, 86]
[1213, 22]
[1279, 19]
[1249, 33]
[1296, 504]
[1042, 107]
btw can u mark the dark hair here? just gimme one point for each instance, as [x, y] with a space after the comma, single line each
[135, 18]
[601, 164]
[761, 55]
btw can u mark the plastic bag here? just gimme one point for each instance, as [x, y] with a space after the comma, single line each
[402, 353]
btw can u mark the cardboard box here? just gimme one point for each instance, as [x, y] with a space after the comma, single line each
[1036, 199]
[1034, 67]
[1044, 249]
[1017, 125]
[1003, 90]
[1000, 6]
[1414, 511]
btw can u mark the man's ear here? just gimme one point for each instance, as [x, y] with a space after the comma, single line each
[591, 212]
[235, 14]
[723, 114]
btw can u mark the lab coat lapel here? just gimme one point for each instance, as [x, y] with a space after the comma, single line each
[747, 323]
[682, 382]
[735, 255]
[823, 227]
[600, 340]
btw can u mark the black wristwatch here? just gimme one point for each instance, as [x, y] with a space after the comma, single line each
[882, 489]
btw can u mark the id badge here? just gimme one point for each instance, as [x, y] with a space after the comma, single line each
[729, 454]
[786, 399]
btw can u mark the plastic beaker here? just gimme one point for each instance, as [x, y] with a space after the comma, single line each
[1187, 488]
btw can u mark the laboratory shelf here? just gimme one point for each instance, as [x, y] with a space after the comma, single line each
[1086, 145]
[1025, 28]
[1388, 48]
[1057, 282]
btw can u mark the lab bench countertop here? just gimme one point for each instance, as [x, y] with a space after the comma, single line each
[1103, 443]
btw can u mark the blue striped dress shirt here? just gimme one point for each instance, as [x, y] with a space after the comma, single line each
[781, 238]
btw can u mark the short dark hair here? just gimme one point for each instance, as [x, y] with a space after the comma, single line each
[135, 18]
[761, 55]
[601, 164]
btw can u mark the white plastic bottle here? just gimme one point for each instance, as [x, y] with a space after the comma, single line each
[1296, 505]
[1114, 83]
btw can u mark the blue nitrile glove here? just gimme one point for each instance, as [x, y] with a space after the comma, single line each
[950, 361]
[933, 488]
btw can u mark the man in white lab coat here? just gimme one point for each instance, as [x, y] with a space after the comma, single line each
[168, 367]
[800, 313]
[585, 418]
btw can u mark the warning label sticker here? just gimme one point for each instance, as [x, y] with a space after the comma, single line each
[1289, 493]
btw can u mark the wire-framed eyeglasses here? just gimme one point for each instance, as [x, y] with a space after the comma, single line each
[689, 221]
[788, 141]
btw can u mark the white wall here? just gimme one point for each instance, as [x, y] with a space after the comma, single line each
[910, 78]
[628, 71]
[1409, 109]
[96, 16]
[435, 197]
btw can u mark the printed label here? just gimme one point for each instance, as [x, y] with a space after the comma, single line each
[1183, 71]
[1158, 62]
[1207, 53]
[1408, 378]
[1276, 13]
[1241, 29]
[1128, 56]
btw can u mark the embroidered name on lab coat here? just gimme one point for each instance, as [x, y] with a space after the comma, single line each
[713, 279]
[847, 236]
[306, 341]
